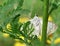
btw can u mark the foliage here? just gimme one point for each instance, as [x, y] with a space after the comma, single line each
[11, 11]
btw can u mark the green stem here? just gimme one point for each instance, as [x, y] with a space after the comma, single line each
[45, 22]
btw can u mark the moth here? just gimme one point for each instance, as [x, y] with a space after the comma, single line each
[37, 24]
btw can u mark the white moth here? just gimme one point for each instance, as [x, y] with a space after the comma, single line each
[37, 23]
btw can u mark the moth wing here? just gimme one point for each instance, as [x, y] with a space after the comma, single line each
[52, 27]
[37, 25]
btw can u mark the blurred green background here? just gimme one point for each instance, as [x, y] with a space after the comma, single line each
[29, 6]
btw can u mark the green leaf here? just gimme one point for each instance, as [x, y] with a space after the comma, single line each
[35, 42]
[8, 11]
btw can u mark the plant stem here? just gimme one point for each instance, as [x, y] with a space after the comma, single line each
[45, 22]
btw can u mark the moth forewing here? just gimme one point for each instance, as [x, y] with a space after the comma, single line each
[51, 28]
[37, 25]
